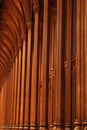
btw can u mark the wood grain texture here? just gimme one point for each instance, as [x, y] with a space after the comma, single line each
[43, 64]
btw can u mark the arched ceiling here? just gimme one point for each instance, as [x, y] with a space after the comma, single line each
[14, 14]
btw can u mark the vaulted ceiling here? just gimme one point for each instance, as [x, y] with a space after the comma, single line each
[14, 15]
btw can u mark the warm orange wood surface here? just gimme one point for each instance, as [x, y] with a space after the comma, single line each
[43, 64]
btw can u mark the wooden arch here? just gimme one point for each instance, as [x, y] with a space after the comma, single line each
[14, 16]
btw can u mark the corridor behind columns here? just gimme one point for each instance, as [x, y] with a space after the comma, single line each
[43, 64]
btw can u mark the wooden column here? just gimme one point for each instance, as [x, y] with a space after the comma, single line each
[12, 85]
[21, 122]
[18, 87]
[0, 107]
[78, 66]
[82, 59]
[28, 77]
[45, 69]
[11, 97]
[85, 65]
[52, 55]
[8, 88]
[15, 90]
[35, 67]
[58, 85]
[40, 69]
[68, 65]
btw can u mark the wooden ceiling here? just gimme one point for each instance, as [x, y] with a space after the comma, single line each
[14, 15]
[14, 18]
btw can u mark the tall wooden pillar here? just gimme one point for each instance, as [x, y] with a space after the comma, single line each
[45, 69]
[15, 89]
[11, 97]
[12, 102]
[82, 61]
[78, 66]
[2, 108]
[23, 74]
[68, 65]
[52, 55]
[18, 87]
[85, 65]
[28, 77]
[40, 70]
[35, 68]
[58, 85]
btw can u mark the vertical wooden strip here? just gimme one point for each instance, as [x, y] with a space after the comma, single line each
[0, 106]
[45, 69]
[52, 55]
[35, 68]
[58, 80]
[28, 77]
[82, 59]
[40, 68]
[15, 90]
[68, 67]
[10, 95]
[12, 102]
[18, 87]
[78, 66]
[23, 82]
[85, 66]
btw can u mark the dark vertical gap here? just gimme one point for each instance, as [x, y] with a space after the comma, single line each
[31, 64]
[39, 61]
[71, 63]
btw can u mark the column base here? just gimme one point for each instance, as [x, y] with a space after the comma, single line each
[58, 125]
[58, 128]
[78, 128]
[20, 127]
[51, 128]
[67, 128]
[33, 127]
[78, 125]
[85, 128]
[85, 125]
[43, 128]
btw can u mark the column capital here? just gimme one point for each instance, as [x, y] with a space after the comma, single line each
[16, 53]
[29, 24]
[36, 8]
[19, 47]
[13, 59]
[23, 36]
